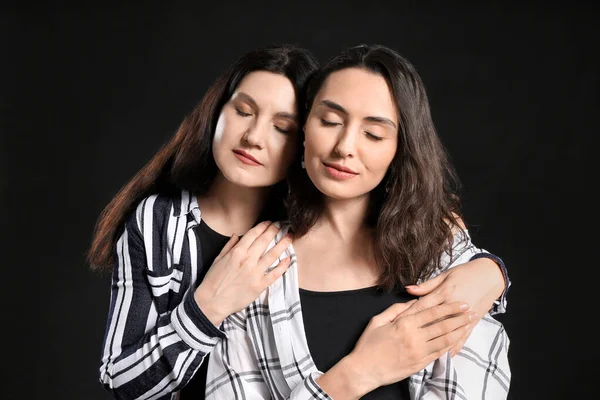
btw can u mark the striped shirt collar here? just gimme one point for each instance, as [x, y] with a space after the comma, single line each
[187, 204]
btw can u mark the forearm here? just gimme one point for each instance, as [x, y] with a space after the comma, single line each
[140, 348]
[500, 276]
[481, 264]
[492, 271]
[169, 352]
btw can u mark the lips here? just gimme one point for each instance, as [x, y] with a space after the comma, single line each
[246, 157]
[339, 172]
[341, 168]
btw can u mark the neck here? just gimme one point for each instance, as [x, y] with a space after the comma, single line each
[342, 240]
[345, 219]
[231, 209]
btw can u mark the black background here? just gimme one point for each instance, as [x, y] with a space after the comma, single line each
[88, 95]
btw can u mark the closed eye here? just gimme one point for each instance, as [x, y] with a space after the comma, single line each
[241, 113]
[281, 130]
[374, 137]
[324, 122]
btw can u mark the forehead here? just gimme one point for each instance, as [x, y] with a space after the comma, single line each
[360, 92]
[269, 90]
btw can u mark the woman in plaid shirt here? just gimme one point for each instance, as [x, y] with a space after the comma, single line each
[374, 206]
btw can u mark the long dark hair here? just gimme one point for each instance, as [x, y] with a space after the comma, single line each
[186, 161]
[414, 210]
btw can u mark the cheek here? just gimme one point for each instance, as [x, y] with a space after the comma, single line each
[380, 159]
[229, 128]
[220, 128]
[317, 141]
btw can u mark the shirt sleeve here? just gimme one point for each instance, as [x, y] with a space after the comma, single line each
[245, 367]
[481, 369]
[146, 355]
[500, 304]
[463, 250]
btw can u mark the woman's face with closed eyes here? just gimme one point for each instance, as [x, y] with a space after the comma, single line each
[255, 137]
[351, 134]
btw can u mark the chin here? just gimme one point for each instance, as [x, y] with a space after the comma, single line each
[333, 191]
[240, 178]
[246, 179]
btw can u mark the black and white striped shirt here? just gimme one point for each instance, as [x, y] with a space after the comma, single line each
[156, 336]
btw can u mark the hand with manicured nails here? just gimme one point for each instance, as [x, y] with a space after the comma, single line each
[479, 283]
[237, 276]
[397, 343]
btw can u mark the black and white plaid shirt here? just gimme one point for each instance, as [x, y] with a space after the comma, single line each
[266, 355]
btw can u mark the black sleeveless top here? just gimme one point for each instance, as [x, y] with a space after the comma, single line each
[334, 321]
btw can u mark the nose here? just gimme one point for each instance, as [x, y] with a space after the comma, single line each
[256, 134]
[346, 144]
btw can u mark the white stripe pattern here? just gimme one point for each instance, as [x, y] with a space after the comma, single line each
[156, 336]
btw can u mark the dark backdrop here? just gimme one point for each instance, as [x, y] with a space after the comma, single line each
[88, 95]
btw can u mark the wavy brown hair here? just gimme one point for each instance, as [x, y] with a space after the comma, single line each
[186, 161]
[415, 209]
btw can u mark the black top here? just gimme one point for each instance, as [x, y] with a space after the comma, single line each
[334, 321]
[211, 243]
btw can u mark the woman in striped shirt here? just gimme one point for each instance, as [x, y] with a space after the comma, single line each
[220, 174]
[374, 207]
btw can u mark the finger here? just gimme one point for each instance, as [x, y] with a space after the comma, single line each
[250, 236]
[428, 301]
[272, 255]
[427, 286]
[442, 311]
[260, 244]
[444, 343]
[458, 347]
[276, 272]
[389, 314]
[228, 246]
[447, 325]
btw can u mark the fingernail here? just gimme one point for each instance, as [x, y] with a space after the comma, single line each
[411, 286]
[452, 354]
[464, 306]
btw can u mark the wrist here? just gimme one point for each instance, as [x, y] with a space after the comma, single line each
[346, 380]
[209, 307]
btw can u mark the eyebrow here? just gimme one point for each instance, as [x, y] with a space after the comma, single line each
[283, 114]
[337, 107]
